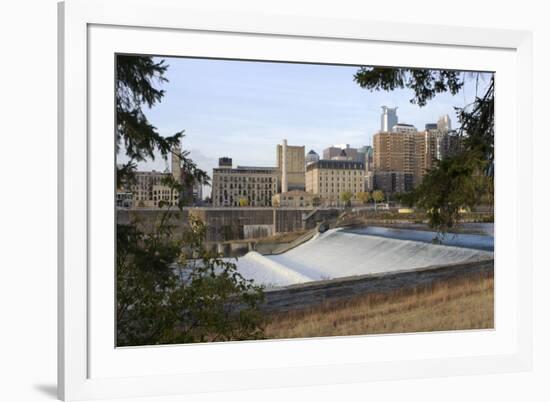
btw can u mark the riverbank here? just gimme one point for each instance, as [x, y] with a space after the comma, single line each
[453, 304]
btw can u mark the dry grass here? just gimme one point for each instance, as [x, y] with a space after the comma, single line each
[465, 303]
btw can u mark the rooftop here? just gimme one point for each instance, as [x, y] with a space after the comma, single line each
[256, 168]
[336, 164]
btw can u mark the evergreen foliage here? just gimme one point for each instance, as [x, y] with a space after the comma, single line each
[170, 288]
[462, 180]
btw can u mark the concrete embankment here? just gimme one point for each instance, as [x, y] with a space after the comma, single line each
[226, 224]
[304, 295]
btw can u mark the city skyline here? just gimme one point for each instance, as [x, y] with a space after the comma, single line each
[223, 104]
[288, 243]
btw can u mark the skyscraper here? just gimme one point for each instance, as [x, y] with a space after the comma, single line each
[444, 123]
[394, 152]
[402, 158]
[388, 119]
[403, 128]
[366, 155]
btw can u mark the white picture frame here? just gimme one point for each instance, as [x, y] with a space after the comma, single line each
[91, 32]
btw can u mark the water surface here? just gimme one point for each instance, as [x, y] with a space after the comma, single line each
[477, 236]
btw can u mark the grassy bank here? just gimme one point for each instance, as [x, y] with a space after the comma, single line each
[465, 303]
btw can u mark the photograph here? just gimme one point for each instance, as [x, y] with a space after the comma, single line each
[212, 201]
[265, 200]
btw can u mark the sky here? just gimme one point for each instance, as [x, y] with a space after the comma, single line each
[243, 109]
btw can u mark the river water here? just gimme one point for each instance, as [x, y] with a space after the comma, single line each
[478, 236]
[347, 252]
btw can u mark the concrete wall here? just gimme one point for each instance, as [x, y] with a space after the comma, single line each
[230, 223]
[288, 220]
[257, 231]
[305, 295]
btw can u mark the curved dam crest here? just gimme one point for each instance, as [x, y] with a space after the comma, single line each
[339, 253]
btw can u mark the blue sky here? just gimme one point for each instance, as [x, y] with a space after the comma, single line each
[242, 109]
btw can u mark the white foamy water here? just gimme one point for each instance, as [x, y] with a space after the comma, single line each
[337, 253]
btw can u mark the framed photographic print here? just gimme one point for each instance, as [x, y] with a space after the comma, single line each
[253, 201]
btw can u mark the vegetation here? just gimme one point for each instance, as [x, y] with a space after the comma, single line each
[139, 139]
[378, 196]
[364, 197]
[453, 186]
[463, 303]
[346, 197]
[170, 289]
[462, 180]
[202, 298]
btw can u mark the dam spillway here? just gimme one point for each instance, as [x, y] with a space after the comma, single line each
[341, 253]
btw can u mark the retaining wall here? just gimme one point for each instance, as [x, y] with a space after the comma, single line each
[305, 295]
[223, 224]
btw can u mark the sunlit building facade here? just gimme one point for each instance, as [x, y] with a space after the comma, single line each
[329, 179]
